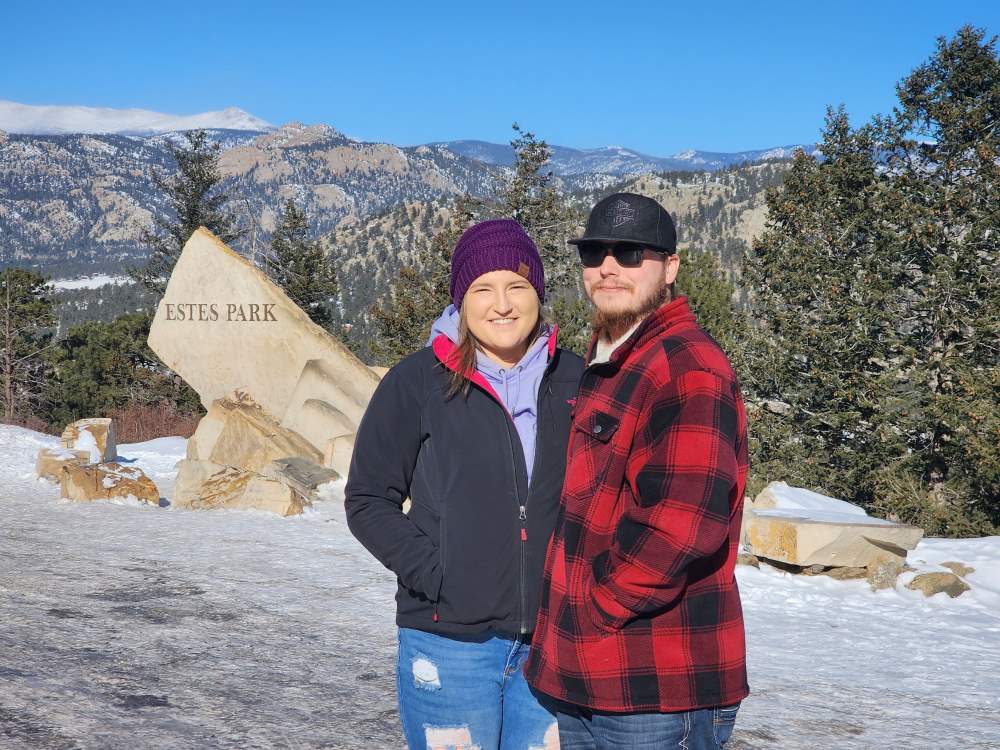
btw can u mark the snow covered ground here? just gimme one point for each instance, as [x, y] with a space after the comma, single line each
[127, 626]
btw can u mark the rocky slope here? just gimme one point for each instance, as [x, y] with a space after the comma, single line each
[79, 203]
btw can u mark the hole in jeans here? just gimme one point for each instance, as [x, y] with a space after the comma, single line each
[449, 738]
[425, 674]
[551, 739]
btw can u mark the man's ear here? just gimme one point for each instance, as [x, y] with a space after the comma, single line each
[670, 268]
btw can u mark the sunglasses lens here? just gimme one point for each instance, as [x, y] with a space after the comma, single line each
[628, 255]
[592, 253]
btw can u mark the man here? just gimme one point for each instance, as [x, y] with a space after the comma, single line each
[640, 631]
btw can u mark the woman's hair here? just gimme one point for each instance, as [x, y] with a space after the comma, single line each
[464, 356]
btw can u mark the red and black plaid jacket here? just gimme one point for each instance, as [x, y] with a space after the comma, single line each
[640, 610]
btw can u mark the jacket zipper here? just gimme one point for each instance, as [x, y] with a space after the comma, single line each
[522, 507]
[522, 517]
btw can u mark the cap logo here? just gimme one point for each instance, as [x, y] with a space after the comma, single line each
[620, 212]
[522, 270]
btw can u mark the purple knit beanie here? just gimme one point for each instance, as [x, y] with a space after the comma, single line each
[495, 245]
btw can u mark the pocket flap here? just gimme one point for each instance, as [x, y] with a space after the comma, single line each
[599, 425]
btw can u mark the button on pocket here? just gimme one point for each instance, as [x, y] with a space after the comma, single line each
[590, 453]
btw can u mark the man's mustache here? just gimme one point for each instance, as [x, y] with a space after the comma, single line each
[612, 285]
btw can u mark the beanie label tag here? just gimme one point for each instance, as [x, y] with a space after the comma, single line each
[522, 270]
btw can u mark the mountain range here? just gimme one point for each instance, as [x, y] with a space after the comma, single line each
[566, 161]
[619, 160]
[77, 204]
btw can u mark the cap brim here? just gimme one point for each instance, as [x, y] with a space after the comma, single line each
[578, 240]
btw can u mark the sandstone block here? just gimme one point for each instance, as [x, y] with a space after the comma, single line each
[302, 475]
[223, 324]
[936, 583]
[200, 444]
[51, 460]
[319, 409]
[95, 435]
[959, 569]
[337, 455]
[191, 475]
[799, 540]
[233, 488]
[250, 439]
[88, 482]
[883, 574]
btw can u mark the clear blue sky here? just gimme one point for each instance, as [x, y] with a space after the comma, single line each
[656, 76]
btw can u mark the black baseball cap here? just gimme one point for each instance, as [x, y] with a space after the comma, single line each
[627, 217]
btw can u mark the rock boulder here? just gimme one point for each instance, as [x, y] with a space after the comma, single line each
[96, 436]
[799, 527]
[233, 488]
[937, 583]
[223, 324]
[85, 483]
[51, 460]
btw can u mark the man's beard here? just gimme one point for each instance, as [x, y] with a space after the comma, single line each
[611, 325]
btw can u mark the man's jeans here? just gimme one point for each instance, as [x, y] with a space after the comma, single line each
[469, 692]
[703, 729]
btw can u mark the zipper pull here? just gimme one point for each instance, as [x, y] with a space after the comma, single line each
[524, 534]
[524, 514]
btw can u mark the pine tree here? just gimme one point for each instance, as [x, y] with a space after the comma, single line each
[298, 265]
[532, 199]
[195, 199]
[711, 297]
[873, 365]
[26, 333]
[105, 366]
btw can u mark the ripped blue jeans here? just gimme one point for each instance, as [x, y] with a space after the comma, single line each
[464, 692]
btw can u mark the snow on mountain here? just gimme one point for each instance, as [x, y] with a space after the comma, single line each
[131, 626]
[619, 160]
[54, 119]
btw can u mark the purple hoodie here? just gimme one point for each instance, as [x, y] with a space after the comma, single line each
[517, 387]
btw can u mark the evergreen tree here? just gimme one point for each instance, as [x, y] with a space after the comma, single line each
[26, 320]
[105, 366]
[872, 367]
[195, 200]
[298, 265]
[711, 297]
[532, 199]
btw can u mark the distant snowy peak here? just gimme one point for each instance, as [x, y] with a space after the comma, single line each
[53, 120]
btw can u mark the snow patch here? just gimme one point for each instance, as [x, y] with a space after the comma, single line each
[90, 282]
[85, 441]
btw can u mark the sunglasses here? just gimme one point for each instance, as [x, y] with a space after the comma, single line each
[627, 254]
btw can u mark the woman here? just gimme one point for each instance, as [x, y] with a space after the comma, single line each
[473, 429]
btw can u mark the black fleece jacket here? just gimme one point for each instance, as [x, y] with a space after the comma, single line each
[469, 554]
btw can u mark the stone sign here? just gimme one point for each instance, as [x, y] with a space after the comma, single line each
[282, 394]
[224, 325]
